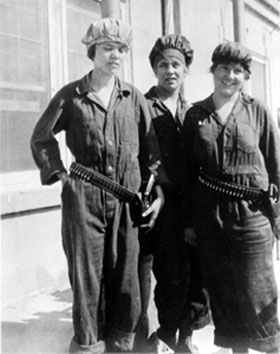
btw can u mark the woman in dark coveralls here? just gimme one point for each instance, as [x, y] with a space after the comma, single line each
[180, 298]
[232, 157]
[108, 128]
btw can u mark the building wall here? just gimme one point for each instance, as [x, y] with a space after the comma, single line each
[32, 257]
[146, 29]
[200, 23]
[208, 23]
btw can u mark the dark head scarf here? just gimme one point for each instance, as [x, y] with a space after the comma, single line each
[231, 52]
[171, 45]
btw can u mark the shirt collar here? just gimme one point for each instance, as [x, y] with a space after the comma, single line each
[84, 86]
[209, 106]
[152, 95]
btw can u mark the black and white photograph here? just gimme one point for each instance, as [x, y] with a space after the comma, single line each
[140, 176]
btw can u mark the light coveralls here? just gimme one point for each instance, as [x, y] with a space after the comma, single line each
[99, 238]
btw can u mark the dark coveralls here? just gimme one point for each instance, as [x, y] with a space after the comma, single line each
[99, 239]
[180, 296]
[235, 236]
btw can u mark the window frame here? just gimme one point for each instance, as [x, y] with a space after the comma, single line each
[265, 62]
[22, 191]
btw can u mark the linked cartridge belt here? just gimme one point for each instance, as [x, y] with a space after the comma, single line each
[94, 177]
[231, 189]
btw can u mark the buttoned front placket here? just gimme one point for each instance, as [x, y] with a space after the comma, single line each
[169, 119]
[179, 116]
[227, 142]
[110, 154]
[216, 132]
[109, 149]
[230, 161]
[168, 130]
[226, 139]
[107, 146]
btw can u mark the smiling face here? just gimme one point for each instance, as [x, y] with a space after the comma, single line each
[170, 73]
[228, 79]
[109, 57]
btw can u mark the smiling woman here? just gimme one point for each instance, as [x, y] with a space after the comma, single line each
[228, 80]
[231, 155]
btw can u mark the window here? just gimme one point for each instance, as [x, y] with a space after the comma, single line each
[259, 80]
[78, 19]
[24, 79]
[36, 60]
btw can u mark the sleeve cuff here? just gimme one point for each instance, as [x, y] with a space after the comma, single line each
[49, 172]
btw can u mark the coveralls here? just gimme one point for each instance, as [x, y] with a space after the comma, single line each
[99, 238]
[235, 236]
[180, 297]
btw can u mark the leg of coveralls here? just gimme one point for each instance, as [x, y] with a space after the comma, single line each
[83, 244]
[240, 349]
[144, 343]
[185, 344]
[170, 271]
[122, 293]
[244, 294]
[145, 274]
[197, 311]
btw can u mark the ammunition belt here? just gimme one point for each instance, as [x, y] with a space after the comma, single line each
[96, 178]
[230, 189]
[137, 206]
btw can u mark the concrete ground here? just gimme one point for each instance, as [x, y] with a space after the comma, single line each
[41, 324]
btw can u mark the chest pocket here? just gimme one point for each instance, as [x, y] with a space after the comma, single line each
[247, 138]
[204, 140]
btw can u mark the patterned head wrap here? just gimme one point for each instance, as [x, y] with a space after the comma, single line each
[106, 30]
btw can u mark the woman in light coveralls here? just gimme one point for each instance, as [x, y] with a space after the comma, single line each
[108, 129]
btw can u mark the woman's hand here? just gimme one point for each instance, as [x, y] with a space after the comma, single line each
[63, 177]
[154, 209]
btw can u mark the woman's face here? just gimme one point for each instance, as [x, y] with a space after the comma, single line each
[170, 73]
[109, 57]
[228, 79]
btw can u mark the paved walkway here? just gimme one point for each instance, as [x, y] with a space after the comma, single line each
[41, 324]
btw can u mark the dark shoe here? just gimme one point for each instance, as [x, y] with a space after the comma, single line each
[142, 335]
